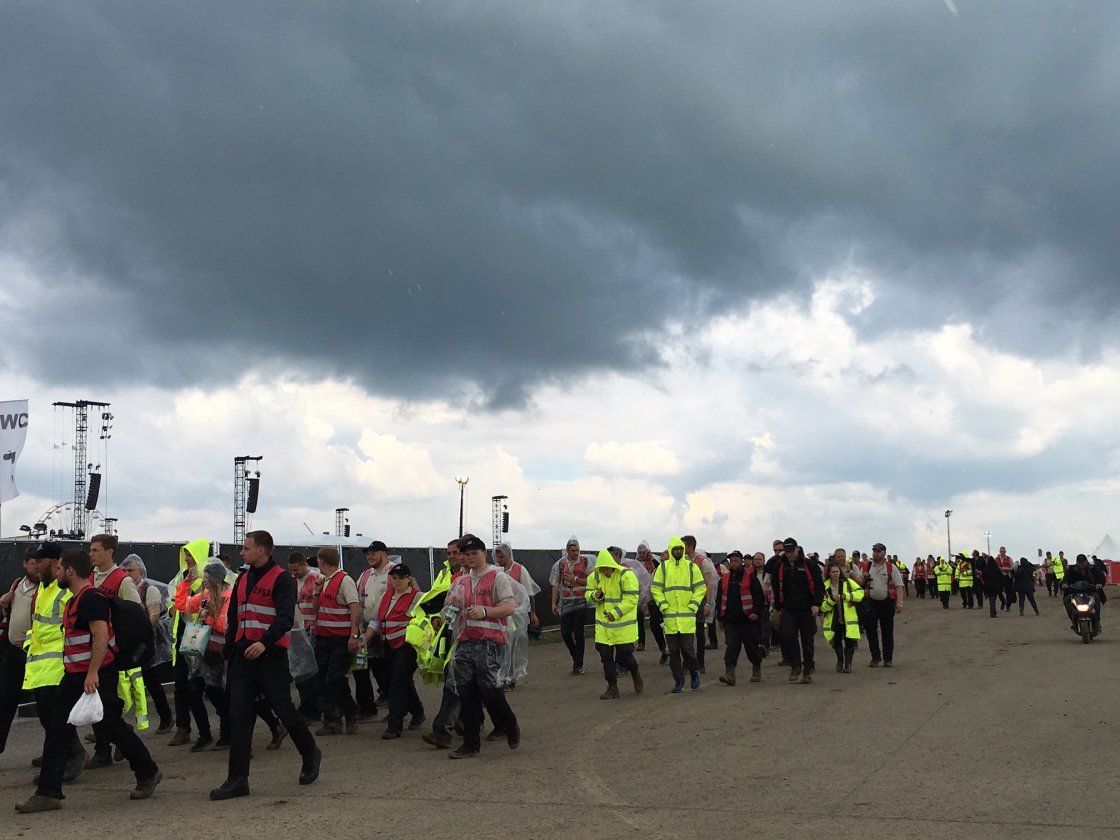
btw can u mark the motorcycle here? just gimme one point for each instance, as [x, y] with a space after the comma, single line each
[1086, 610]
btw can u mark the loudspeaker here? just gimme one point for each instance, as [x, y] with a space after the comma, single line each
[254, 491]
[94, 490]
[505, 522]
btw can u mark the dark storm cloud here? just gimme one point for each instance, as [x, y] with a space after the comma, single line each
[426, 196]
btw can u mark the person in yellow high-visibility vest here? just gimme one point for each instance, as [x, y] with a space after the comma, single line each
[613, 590]
[678, 588]
[964, 582]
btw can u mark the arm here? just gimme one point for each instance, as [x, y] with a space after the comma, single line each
[593, 594]
[657, 588]
[355, 628]
[630, 590]
[128, 591]
[284, 596]
[99, 630]
[699, 587]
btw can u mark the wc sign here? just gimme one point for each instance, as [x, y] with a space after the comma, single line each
[13, 433]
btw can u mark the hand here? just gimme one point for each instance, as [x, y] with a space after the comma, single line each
[352, 645]
[318, 584]
[554, 610]
[6, 600]
[477, 612]
[254, 650]
[707, 610]
[91, 683]
[815, 610]
[752, 617]
[192, 571]
[533, 620]
[897, 607]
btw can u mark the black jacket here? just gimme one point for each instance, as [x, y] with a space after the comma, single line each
[797, 587]
[734, 613]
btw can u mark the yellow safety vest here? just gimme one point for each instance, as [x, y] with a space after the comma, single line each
[678, 588]
[44, 642]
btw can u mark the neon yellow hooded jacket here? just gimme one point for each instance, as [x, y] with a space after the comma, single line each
[678, 588]
[200, 551]
[616, 605]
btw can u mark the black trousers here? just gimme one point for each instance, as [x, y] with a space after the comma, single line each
[845, 649]
[798, 628]
[58, 746]
[364, 695]
[743, 635]
[701, 635]
[1051, 585]
[654, 626]
[403, 699]
[571, 630]
[1027, 596]
[188, 704]
[614, 655]
[333, 658]
[476, 680]
[966, 597]
[247, 679]
[154, 678]
[448, 710]
[880, 616]
[992, 603]
[12, 662]
[920, 587]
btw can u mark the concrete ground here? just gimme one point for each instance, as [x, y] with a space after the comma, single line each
[985, 728]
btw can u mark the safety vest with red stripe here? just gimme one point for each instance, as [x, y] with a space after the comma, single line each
[481, 594]
[256, 609]
[920, 570]
[744, 592]
[578, 571]
[892, 595]
[333, 618]
[112, 584]
[306, 601]
[77, 647]
[808, 577]
[395, 615]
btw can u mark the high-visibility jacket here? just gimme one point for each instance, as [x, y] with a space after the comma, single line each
[964, 574]
[616, 609]
[44, 642]
[480, 595]
[944, 574]
[133, 693]
[851, 594]
[77, 647]
[1058, 568]
[333, 619]
[395, 615]
[256, 611]
[200, 550]
[678, 588]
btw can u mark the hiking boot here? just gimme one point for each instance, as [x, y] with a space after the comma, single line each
[611, 693]
[231, 788]
[117, 754]
[278, 736]
[876, 662]
[664, 659]
[807, 678]
[839, 666]
[202, 742]
[678, 686]
[795, 673]
[695, 684]
[328, 729]
[439, 740]
[638, 684]
[99, 760]
[75, 764]
[36, 804]
[463, 752]
[165, 726]
[756, 674]
[496, 734]
[888, 664]
[728, 677]
[144, 789]
[416, 722]
[390, 735]
[182, 736]
[309, 771]
[351, 727]
[513, 737]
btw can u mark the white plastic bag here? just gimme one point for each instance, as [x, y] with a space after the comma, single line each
[88, 709]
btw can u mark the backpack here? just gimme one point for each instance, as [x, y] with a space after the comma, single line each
[136, 642]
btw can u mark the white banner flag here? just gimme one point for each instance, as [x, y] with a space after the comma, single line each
[13, 432]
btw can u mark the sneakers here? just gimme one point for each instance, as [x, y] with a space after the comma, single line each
[876, 662]
[496, 734]
[416, 722]
[231, 788]
[695, 684]
[221, 744]
[181, 737]
[309, 772]
[577, 670]
[278, 736]
[36, 804]
[351, 727]
[611, 693]
[795, 673]
[678, 686]
[756, 674]
[439, 740]
[463, 752]
[99, 760]
[145, 788]
[330, 728]
[807, 678]
[888, 664]
[202, 743]
[390, 735]
[839, 667]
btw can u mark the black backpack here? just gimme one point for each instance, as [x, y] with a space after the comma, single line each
[136, 641]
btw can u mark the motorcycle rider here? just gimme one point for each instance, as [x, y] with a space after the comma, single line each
[1081, 571]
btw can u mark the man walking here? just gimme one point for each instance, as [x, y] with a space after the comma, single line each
[798, 593]
[613, 590]
[678, 588]
[569, 601]
[740, 611]
[885, 598]
[15, 626]
[337, 638]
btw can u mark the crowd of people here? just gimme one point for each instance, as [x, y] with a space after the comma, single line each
[77, 624]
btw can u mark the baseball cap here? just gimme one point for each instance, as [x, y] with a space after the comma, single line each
[376, 545]
[400, 570]
[471, 543]
[735, 553]
[789, 542]
[878, 547]
[49, 551]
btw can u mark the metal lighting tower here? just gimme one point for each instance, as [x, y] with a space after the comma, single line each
[988, 537]
[948, 535]
[462, 482]
[240, 474]
[499, 518]
[341, 522]
[80, 521]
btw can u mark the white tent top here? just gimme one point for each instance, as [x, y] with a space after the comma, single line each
[1108, 549]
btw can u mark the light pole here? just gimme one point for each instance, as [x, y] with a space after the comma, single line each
[988, 537]
[462, 491]
[948, 535]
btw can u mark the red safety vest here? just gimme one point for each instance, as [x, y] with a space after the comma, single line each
[919, 570]
[394, 617]
[307, 599]
[744, 592]
[579, 572]
[482, 595]
[808, 577]
[256, 610]
[333, 618]
[112, 584]
[77, 648]
[1004, 563]
[892, 595]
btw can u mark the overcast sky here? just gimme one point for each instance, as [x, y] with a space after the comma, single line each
[737, 269]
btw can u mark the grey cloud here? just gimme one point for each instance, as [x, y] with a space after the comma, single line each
[432, 197]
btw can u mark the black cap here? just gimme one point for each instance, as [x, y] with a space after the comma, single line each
[48, 551]
[878, 547]
[376, 545]
[471, 543]
[734, 553]
[400, 570]
[789, 542]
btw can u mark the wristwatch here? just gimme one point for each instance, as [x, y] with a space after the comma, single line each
[356, 636]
